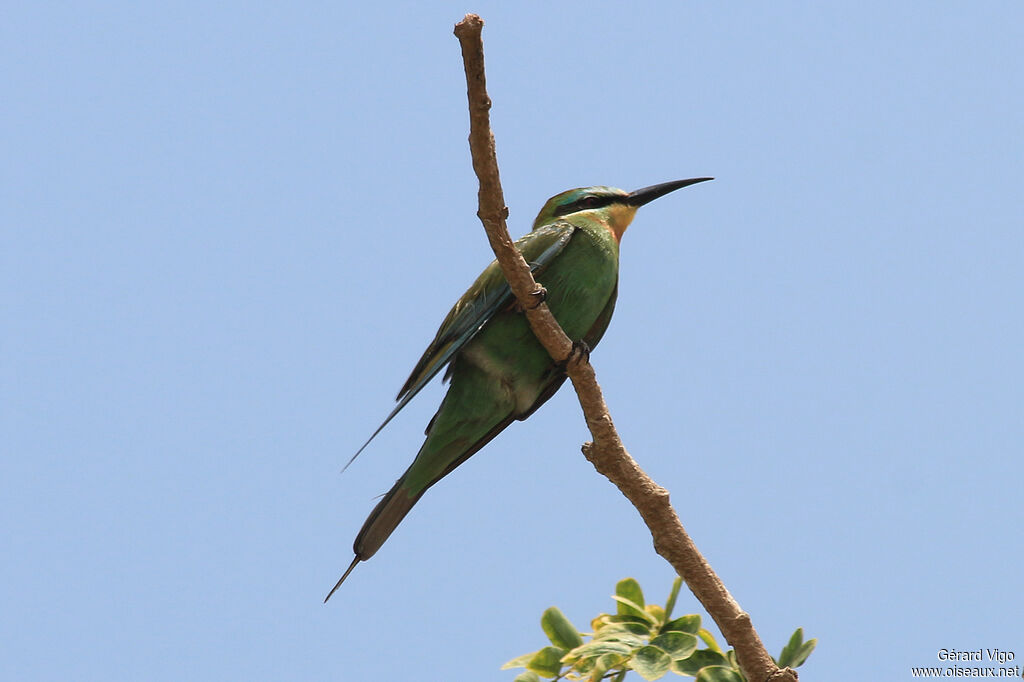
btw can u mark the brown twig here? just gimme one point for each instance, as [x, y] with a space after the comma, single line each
[606, 452]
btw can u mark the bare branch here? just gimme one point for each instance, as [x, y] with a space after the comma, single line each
[492, 211]
[606, 452]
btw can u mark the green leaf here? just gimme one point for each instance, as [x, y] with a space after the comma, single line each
[559, 630]
[690, 624]
[636, 623]
[789, 651]
[700, 658]
[527, 676]
[641, 629]
[717, 673]
[802, 654]
[623, 626]
[678, 645]
[628, 607]
[547, 662]
[519, 661]
[609, 661]
[671, 603]
[628, 588]
[605, 663]
[734, 662]
[600, 648]
[581, 665]
[627, 638]
[709, 639]
[656, 612]
[651, 662]
[572, 660]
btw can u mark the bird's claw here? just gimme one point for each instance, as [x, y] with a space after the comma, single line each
[537, 296]
[580, 353]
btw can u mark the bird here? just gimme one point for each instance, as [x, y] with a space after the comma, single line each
[497, 369]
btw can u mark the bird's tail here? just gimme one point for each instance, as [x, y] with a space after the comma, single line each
[379, 525]
[393, 507]
[384, 518]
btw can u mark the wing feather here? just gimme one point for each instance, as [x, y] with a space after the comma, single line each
[488, 294]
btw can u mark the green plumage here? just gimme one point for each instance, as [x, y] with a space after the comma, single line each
[499, 372]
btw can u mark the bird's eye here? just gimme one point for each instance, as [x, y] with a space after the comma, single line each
[584, 203]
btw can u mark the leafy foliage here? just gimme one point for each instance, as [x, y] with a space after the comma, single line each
[640, 637]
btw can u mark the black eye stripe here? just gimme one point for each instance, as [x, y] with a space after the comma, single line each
[590, 201]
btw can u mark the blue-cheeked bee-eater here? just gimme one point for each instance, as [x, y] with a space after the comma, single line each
[499, 371]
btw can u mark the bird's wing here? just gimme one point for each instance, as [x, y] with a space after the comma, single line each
[591, 339]
[488, 294]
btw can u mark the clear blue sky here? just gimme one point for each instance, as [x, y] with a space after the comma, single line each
[229, 232]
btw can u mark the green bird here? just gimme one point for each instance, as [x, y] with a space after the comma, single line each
[499, 372]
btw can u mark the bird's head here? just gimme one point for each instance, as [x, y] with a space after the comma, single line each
[613, 207]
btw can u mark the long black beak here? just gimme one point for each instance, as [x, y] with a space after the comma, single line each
[649, 194]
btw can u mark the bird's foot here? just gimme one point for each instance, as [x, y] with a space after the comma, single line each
[537, 296]
[580, 353]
